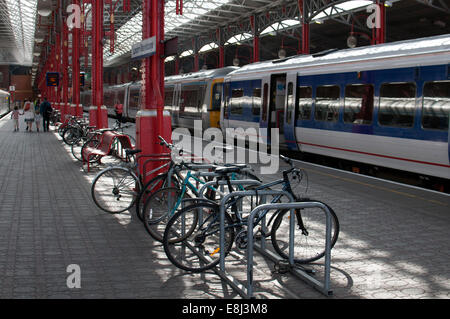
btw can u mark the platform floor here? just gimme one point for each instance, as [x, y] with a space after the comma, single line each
[394, 240]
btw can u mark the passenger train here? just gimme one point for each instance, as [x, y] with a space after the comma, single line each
[4, 102]
[386, 105]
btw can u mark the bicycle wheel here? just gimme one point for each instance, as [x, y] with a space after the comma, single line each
[71, 135]
[192, 238]
[154, 184]
[114, 189]
[158, 209]
[76, 147]
[309, 236]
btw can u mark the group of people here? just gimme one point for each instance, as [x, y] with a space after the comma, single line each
[40, 112]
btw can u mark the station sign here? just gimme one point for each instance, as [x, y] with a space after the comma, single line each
[144, 48]
[52, 79]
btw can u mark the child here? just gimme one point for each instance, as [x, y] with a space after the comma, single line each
[15, 117]
[29, 115]
[37, 119]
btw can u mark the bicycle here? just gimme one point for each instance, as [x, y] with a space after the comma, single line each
[116, 188]
[163, 203]
[191, 238]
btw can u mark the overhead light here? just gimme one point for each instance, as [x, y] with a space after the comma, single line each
[44, 8]
[45, 12]
[388, 4]
[282, 53]
[352, 41]
[39, 40]
[318, 21]
[36, 53]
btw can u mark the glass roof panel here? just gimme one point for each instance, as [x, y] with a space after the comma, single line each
[22, 16]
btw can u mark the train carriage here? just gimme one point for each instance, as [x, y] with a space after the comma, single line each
[386, 105]
[4, 102]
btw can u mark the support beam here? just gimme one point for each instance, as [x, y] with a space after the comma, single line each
[98, 113]
[151, 120]
[76, 44]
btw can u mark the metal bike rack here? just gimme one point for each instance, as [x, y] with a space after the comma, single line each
[323, 287]
[247, 290]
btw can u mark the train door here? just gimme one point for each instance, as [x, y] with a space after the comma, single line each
[176, 105]
[272, 113]
[290, 112]
[224, 110]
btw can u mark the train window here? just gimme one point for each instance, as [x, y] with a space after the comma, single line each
[256, 101]
[120, 96]
[290, 102]
[168, 97]
[237, 100]
[264, 102]
[108, 98]
[134, 99]
[397, 104]
[358, 104]
[304, 95]
[191, 100]
[216, 98]
[327, 103]
[436, 105]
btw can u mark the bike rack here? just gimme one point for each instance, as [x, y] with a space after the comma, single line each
[247, 292]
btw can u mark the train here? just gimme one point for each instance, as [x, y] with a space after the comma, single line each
[386, 105]
[4, 102]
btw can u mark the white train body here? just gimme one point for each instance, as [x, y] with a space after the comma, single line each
[386, 105]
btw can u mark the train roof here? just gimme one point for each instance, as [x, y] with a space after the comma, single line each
[4, 92]
[201, 75]
[423, 51]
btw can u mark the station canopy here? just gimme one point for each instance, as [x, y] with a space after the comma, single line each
[28, 27]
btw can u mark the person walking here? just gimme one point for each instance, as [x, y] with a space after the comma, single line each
[38, 119]
[46, 110]
[15, 117]
[29, 115]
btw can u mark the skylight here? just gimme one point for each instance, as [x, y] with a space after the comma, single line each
[22, 16]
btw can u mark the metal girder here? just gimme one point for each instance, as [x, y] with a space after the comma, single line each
[436, 4]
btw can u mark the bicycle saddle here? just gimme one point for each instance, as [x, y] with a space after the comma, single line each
[129, 151]
[223, 170]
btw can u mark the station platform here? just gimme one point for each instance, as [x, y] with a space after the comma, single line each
[393, 243]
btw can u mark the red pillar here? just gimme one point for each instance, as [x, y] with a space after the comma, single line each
[305, 38]
[381, 31]
[255, 29]
[65, 64]
[256, 48]
[76, 42]
[98, 115]
[151, 120]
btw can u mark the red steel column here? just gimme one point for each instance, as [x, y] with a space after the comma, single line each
[381, 31]
[255, 29]
[76, 46]
[98, 115]
[151, 120]
[65, 64]
[302, 5]
[219, 35]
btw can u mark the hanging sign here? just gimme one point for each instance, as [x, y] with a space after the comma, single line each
[144, 49]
